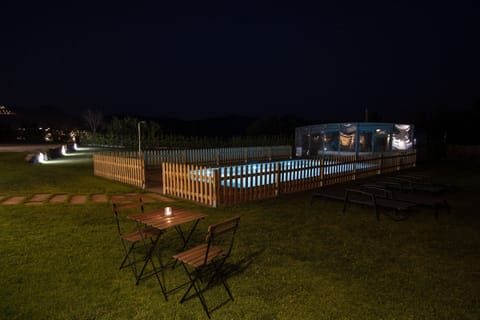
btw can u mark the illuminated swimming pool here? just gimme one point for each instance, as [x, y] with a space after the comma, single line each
[259, 174]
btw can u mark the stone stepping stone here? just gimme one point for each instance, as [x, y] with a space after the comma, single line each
[33, 203]
[41, 197]
[159, 197]
[78, 199]
[36, 199]
[59, 198]
[14, 200]
[99, 198]
[147, 199]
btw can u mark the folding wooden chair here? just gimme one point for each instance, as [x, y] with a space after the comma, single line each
[204, 262]
[135, 240]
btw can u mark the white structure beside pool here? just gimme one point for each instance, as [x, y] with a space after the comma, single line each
[352, 138]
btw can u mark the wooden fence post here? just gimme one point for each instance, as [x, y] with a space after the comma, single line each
[142, 171]
[355, 162]
[380, 167]
[216, 197]
[322, 171]
[163, 177]
[277, 178]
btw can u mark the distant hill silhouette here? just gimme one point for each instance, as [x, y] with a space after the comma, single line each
[43, 116]
[230, 125]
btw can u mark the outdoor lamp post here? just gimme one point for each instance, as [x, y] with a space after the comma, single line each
[139, 137]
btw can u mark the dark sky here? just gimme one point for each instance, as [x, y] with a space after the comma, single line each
[195, 59]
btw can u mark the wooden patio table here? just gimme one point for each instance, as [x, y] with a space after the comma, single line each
[159, 220]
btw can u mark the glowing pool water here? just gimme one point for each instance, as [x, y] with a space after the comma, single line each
[259, 174]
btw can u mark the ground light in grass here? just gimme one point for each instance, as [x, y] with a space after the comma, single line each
[82, 155]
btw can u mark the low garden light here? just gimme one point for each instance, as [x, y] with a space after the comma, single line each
[42, 157]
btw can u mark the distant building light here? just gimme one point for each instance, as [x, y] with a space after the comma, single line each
[4, 111]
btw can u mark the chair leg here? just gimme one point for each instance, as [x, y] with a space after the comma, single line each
[202, 299]
[227, 288]
[127, 253]
[218, 270]
[192, 282]
[148, 256]
[161, 282]
[131, 261]
[217, 274]
[198, 292]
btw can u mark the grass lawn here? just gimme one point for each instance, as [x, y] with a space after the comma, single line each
[291, 260]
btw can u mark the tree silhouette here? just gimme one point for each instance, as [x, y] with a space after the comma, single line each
[93, 119]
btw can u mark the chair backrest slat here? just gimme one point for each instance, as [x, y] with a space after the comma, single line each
[128, 203]
[220, 231]
[120, 207]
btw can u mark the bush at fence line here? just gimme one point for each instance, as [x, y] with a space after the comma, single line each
[180, 141]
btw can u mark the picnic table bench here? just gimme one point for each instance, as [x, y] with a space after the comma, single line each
[413, 185]
[423, 200]
[359, 196]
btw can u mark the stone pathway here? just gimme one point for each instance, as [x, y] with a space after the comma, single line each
[14, 200]
[46, 198]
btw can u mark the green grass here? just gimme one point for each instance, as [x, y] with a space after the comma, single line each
[291, 260]
[71, 175]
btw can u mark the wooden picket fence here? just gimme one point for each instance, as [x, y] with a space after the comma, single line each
[216, 156]
[129, 166]
[125, 167]
[234, 184]
[231, 185]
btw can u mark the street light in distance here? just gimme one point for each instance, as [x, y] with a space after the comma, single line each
[139, 137]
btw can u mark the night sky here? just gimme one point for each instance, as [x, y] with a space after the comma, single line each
[197, 59]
